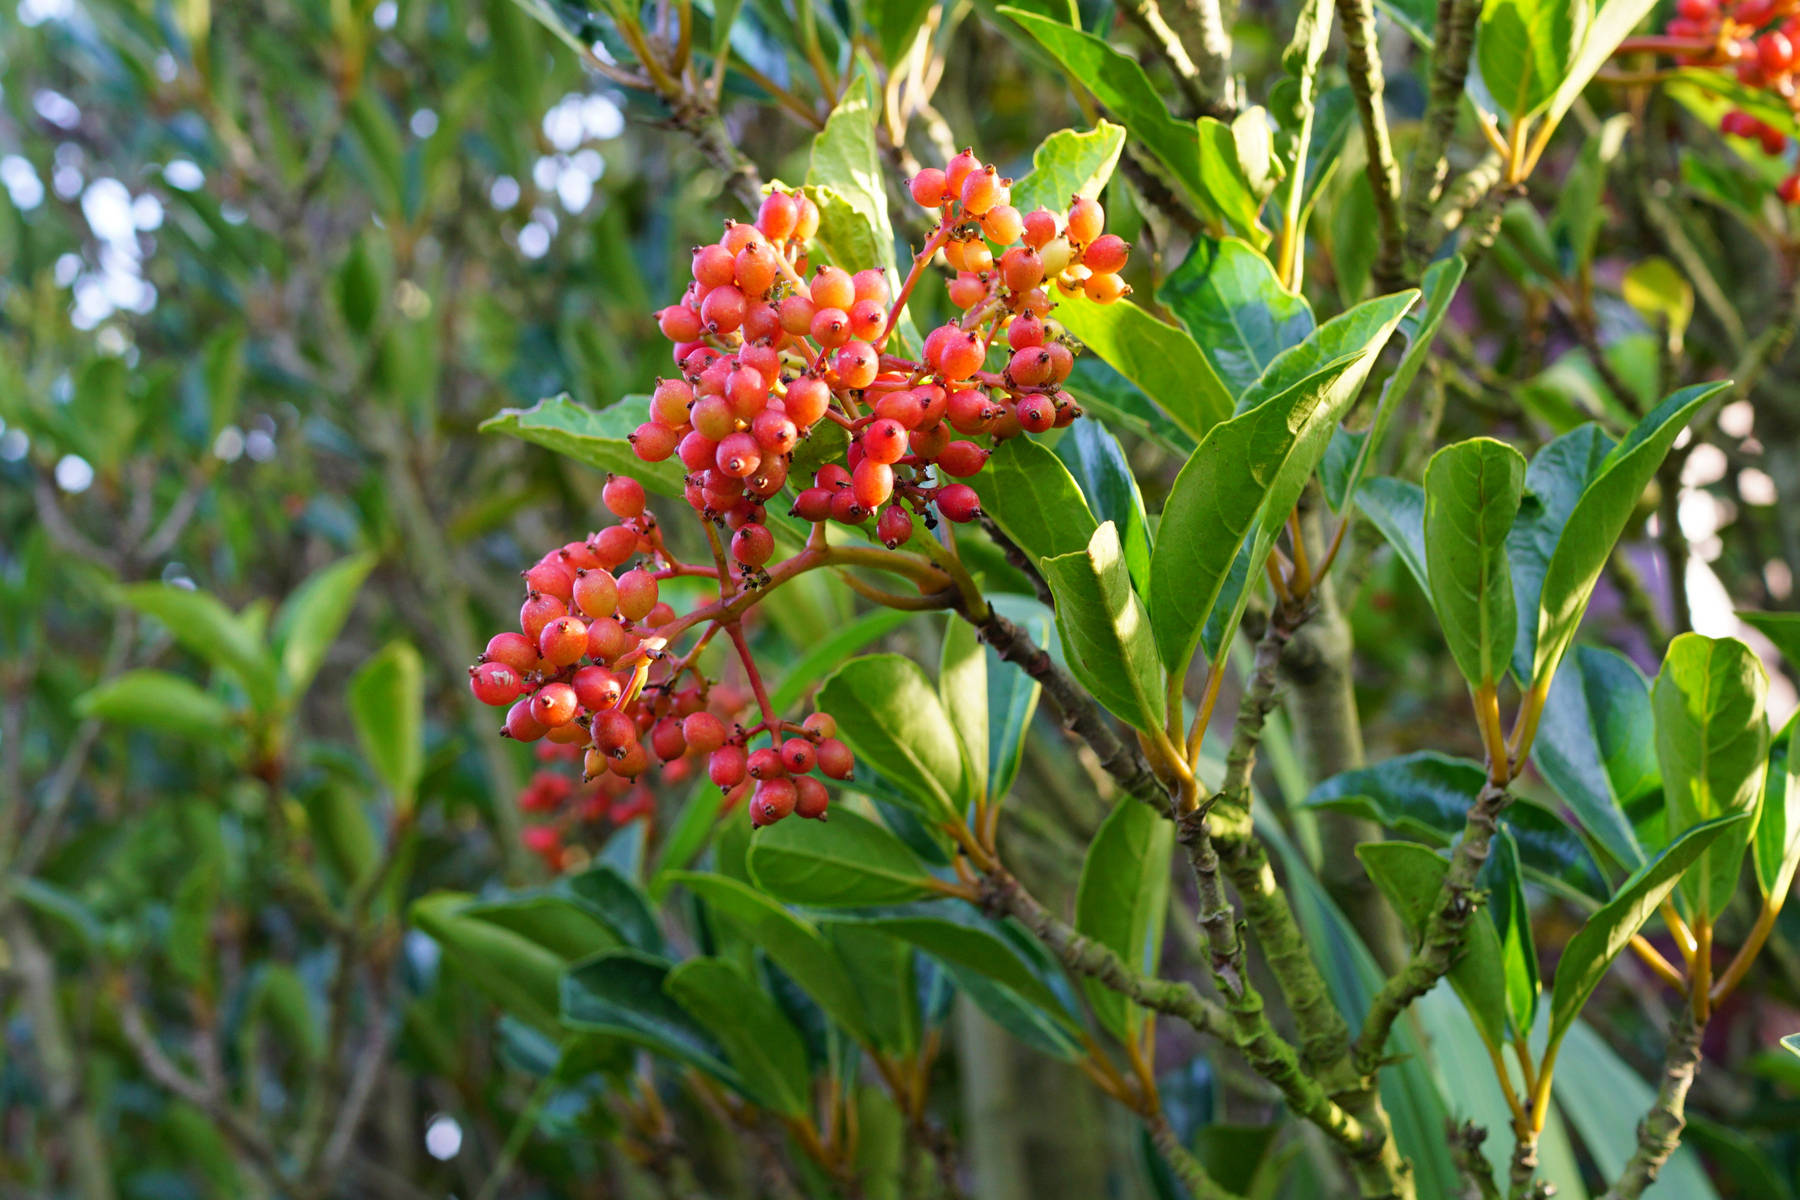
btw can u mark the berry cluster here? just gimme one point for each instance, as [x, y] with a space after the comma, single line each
[588, 669]
[766, 355]
[1758, 39]
[561, 803]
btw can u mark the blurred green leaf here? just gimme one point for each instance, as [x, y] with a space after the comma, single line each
[207, 628]
[1122, 902]
[1777, 840]
[310, 619]
[386, 699]
[599, 439]
[759, 1041]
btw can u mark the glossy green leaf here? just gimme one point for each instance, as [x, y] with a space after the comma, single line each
[1247, 474]
[1779, 627]
[598, 438]
[1523, 48]
[1031, 495]
[847, 860]
[1472, 492]
[157, 700]
[1596, 744]
[759, 1041]
[1504, 879]
[1559, 473]
[1410, 876]
[309, 621]
[1607, 932]
[1012, 699]
[386, 699]
[1238, 171]
[1122, 87]
[963, 687]
[1069, 162]
[205, 627]
[883, 970]
[958, 936]
[1598, 518]
[516, 972]
[823, 655]
[1097, 462]
[888, 712]
[1160, 358]
[616, 901]
[1122, 901]
[847, 163]
[1777, 840]
[793, 943]
[1397, 508]
[624, 993]
[546, 919]
[1611, 23]
[1426, 795]
[1106, 631]
[1712, 742]
[1227, 295]
[1419, 327]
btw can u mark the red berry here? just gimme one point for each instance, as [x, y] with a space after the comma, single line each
[666, 739]
[958, 169]
[637, 594]
[623, 496]
[607, 639]
[832, 287]
[739, 455]
[855, 365]
[614, 545]
[521, 725]
[703, 732]
[495, 683]
[884, 440]
[1107, 253]
[798, 755]
[727, 765]
[548, 575]
[1087, 220]
[834, 759]
[962, 458]
[766, 764]
[927, 187]
[1775, 53]
[1003, 224]
[960, 356]
[597, 688]
[613, 730]
[554, 704]
[1789, 190]
[971, 411]
[777, 216]
[894, 527]
[1029, 367]
[845, 509]
[679, 323]
[958, 502]
[596, 592]
[562, 641]
[812, 504]
[867, 319]
[774, 799]
[1035, 413]
[630, 761]
[871, 484]
[1104, 289]
[1040, 227]
[538, 611]
[981, 190]
[811, 798]
[514, 650]
[820, 725]
[806, 401]
[753, 545]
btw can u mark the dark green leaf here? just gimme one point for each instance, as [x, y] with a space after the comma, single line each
[847, 860]
[615, 900]
[1033, 498]
[1226, 294]
[1777, 844]
[1106, 631]
[888, 712]
[1098, 464]
[963, 687]
[1012, 699]
[1122, 901]
[759, 1041]
[1472, 492]
[1554, 482]
[518, 973]
[1596, 746]
[1398, 510]
[624, 993]
[595, 438]
[1504, 880]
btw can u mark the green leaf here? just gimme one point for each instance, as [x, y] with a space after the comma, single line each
[1397, 509]
[1779, 627]
[206, 628]
[963, 687]
[1106, 630]
[1035, 501]
[888, 712]
[1580, 208]
[1597, 520]
[1227, 296]
[825, 654]
[1611, 23]
[157, 700]
[1247, 474]
[1471, 495]
[624, 993]
[1662, 295]
[1238, 170]
[1559, 473]
[1122, 902]
[1524, 47]
[960, 938]
[1712, 742]
[847, 860]
[1604, 1098]
[1123, 88]
[1160, 358]
[1426, 795]
[846, 163]
[516, 972]
[1069, 163]
[1472, 492]
[1504, 879]
[1777, 842]
[1791, 1042]
[1600, 939]
[545, 919]
[386, 698]
[1012, 699]
[309, 620]
[1596, 744]
[603, 891]
[596, 438]
[1410, 876]
[1097, 462]
[359, 288]
[1046, 1031]
[759, 1041]
[882, 970]
[897, 22]
[794, 944]
[1419, 327]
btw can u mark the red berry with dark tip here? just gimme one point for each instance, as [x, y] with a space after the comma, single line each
[538, 611]
[766, 764]
[563, 641]
[514, 650]
[727, 766]
[753, 545]
[834, 759]
[703, 732]
[495, 683]
[597, 688]
[894, 527]
[810, 798]
[958, 502]
[554, 704]
[798, 755]
[623, 496]
[774, 799]
[637, 594]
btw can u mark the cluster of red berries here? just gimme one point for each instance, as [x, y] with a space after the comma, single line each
[766, 354]
[589, 669]
[561, 803]
[1758, 39]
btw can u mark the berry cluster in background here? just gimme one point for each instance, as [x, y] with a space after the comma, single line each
[1756, 39]
[766, 355]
